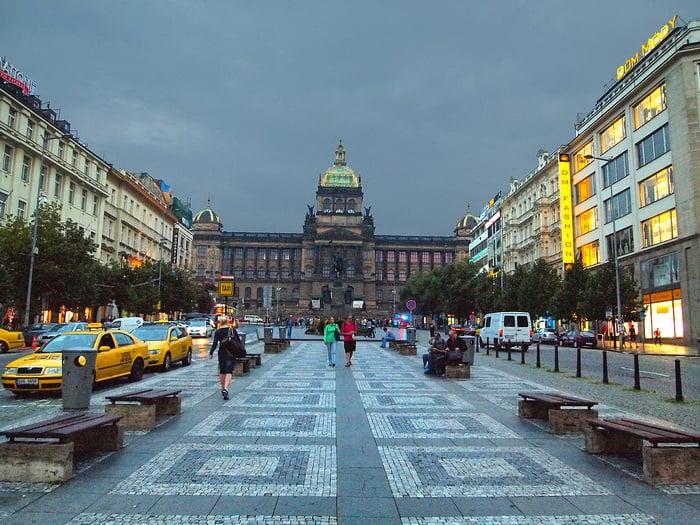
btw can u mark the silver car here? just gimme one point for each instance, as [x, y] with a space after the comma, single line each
[199, 328]
[545, 337]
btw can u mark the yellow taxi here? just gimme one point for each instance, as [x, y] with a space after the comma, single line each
[119, 354]
[167, 344]
[10, 340]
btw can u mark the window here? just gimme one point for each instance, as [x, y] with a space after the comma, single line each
[390, 256]
[285, 273]
[285, 254]
[656, 187]
[94, 204]
[615, 170]
[580, 160]
[83, 200]
[274, 254]
[660, 271]
[584, 189]
[650, 106]
[250, 253]
[21, 209]
[653, 146]
[201, 251]
[71, 193]
[238, 253]
[402, 276]
[625, 243]
[61, 150]
[326, 205]
[7, 158]
[3, 203]
[380, 276]
[74, 159]
[12, 118]
[262, 254]
[26, 168]
[42, 178]
[380, 255]
[414, 257]
[587, 221]
[589, 254]
[273, 273]
[30, 130]
[402, 257]
[618, 206]
[661, 228]
[237, 271]
[613, 134]
[425, 257]
[58, 186]
[437, 258]
[249, 272]
[379, 296]
[261, 272]
[87, 168]
[449, 258]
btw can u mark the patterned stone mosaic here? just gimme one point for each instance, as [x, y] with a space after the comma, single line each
[292, 424]
[291, 384]
[581, 519]
[381, 385]
[405, 400]
[416, 472]
[142, 519]
[451, 425]
[286, 400]
[236, 470]
[497, 384]
[301, 374]
[393, 375]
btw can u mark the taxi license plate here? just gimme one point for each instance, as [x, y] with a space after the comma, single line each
[26, 381]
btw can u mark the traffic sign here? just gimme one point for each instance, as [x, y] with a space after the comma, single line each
[225, 289]
[411, 304]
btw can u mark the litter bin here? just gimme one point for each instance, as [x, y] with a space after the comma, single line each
[77, 369]
[282, 330]
[468, 354]
[411, 336]
[268, 335]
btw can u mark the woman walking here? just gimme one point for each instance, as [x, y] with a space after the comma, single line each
[348, 330]
[331, 335]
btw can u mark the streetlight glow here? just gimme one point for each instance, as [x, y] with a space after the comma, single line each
[617, 264]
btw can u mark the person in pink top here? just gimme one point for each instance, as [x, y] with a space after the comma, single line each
[348, 330]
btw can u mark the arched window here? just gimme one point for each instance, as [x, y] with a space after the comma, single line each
[327, 205]
[339, 206]
[352, 206]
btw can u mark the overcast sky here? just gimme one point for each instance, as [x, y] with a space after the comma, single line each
[438, 103]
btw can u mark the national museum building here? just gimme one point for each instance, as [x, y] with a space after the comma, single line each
[337, 252]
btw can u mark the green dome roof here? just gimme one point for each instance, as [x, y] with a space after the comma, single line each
[339, 175]
[207, 216]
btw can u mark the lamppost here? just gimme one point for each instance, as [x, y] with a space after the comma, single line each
[35, 230]
[615, 258]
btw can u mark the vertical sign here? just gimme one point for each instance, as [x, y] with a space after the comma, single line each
[567, 210]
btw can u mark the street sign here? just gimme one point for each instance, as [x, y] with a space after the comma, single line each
[225, 289]
[411, 304]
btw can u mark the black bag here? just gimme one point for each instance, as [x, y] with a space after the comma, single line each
[453, 356]
[232, 345]
[337, 334]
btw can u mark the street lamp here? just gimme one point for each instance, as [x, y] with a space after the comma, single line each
[617, 263]
[35, 230]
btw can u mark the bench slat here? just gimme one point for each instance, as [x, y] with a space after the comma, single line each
[555, 398]
[652, 433]
[61, 427]
[144, 395]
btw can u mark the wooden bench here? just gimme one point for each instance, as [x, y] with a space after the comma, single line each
[241, 365]
[408, 349]
[256, 359]
[396, 343]
[43, 452]
[678, 463]
[275, 347]
[566, 414]
[139, 409]
[458, 371]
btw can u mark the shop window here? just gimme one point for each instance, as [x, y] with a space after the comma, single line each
[625, 243]
[590, 254]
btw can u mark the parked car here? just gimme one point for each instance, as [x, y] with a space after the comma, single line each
[167, 344]
[199, 328]
[545, 336]
[9, 339]
[572, 337]
[59, 329]
[35, 330]
[118, 354]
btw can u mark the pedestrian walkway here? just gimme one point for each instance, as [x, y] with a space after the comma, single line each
[376, 443]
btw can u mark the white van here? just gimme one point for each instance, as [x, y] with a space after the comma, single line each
[506, 330]
[127, 323]
[252, 319]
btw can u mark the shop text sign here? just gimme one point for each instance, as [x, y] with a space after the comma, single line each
[567, 209]
[14, 76]
[646, 48]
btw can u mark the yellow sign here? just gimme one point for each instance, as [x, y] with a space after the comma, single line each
[225, 289]
[567, 210]
[646, 48]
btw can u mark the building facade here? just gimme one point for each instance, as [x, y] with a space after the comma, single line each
[635, 178]
[337, 252]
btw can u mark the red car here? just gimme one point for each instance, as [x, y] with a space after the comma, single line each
[572, 337]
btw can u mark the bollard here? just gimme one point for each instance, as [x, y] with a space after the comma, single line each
[497, 347]
[636, 372]
[556, 358]
[578, 359]
[679, 386]
[605, 367]
[522, 355]
[487, 346]
[509, 350]
[539, 363]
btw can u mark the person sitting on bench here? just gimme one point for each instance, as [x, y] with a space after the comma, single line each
[437, 346]
[438, 360]
[388, 336]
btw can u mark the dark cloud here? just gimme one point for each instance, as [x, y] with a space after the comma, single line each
[244, 102]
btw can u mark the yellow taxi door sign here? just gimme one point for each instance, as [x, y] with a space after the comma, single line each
[225, 288]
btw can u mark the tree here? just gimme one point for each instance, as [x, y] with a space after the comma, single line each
[567, 303]
[539, 286]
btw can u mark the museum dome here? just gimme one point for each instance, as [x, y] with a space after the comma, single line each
[339, 175]
[207, 216]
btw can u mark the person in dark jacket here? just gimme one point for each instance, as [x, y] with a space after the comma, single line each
[225, 338]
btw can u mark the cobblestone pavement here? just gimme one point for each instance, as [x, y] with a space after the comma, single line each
[379, 442]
